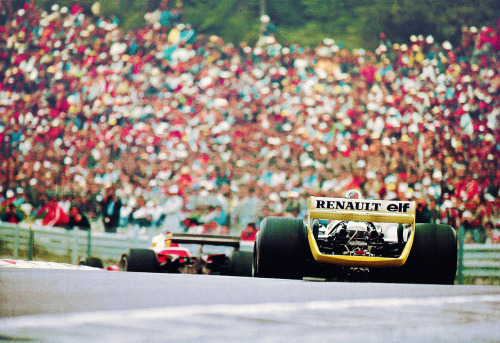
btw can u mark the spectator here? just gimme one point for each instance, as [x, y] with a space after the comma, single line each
[495, 233]
[217, 214]
[140, 215]
[470, 232]
[110, 209]
[267, 30]
[195, 226]
[239, 125]
[210, 228]
[188, 223]
[249, 232]
[434, 211]
[223, 230]
[11, 215]
[10, 198]
[77, 219]
[488, 230]
[53, 214]
[423, 214]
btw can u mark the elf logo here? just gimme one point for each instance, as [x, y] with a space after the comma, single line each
[362, 205]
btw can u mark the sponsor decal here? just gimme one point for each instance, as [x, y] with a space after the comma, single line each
[367, 206]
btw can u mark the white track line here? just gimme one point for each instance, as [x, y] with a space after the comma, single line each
[72, 319]
[21, 264]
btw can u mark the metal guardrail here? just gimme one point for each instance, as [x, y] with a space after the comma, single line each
[475, 260]
[74, 243]
[482, 260]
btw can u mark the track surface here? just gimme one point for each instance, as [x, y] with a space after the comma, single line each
[98, 306]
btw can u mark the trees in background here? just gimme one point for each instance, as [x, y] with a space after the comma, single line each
[356, 23]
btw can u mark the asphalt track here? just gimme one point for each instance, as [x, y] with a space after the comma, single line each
[38, 305]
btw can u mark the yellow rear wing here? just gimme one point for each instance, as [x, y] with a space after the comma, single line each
[361, 210]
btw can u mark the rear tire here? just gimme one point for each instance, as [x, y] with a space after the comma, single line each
[281, 249]
[241, 263]
[432, 259]
[139, 260]
[95, 262]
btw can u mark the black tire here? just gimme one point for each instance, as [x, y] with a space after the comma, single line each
[400, 232]
[315, 228]
[281, 249]
[432, 259]
[241, 263]
[95, 262]
[139, 260]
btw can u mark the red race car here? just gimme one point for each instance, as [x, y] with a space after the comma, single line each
[167, 255]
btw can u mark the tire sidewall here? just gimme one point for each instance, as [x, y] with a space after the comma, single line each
[142, 260]
[433, 256]
[281, 248]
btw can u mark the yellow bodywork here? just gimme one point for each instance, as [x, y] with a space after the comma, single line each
[361, 210]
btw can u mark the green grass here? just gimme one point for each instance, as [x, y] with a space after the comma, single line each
[472, 280]
[43, 255]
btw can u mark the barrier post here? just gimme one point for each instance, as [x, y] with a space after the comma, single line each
[89, 243]
[31, 249]
[16, 242]
[460, 266]
[135, 236]
[74, 253]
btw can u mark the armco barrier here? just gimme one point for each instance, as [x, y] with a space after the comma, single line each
[482, 260]
[74, 243]
[479, 260]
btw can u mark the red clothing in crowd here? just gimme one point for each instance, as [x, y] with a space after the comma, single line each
[248, 236]
[55, 214]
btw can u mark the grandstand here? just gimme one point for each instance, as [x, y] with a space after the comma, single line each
[182, 123]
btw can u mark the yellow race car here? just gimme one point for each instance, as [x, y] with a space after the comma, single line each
[355, 238]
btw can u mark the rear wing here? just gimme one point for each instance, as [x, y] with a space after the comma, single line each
[186, 238]
[361, 210]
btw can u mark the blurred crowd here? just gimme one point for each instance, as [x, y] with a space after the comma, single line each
[164, 127]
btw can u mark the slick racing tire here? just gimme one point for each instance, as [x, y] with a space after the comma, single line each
[95, 262]
[241, 263]
[139, 260]
[432, 259]
[281, 249]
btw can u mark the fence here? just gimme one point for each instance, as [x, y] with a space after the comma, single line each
[479, 261]
[75, 243]
[474, 260]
